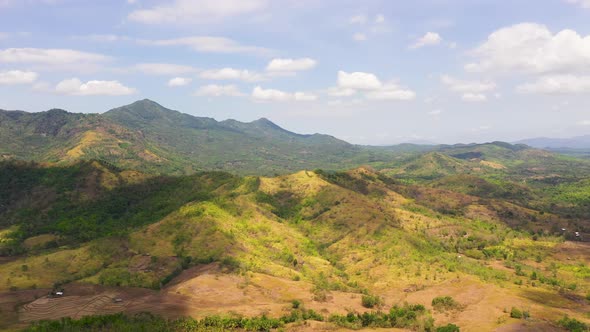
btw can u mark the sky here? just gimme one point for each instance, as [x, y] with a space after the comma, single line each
[369, 72]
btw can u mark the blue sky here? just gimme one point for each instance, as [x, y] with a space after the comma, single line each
[369, 72]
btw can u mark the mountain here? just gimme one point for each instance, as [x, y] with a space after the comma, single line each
[579, 142]
[311, 250]
[146, 136]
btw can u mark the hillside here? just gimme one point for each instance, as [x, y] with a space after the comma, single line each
[148, 137]
[337, 242]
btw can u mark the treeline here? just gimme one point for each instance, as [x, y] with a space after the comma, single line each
[412, 316]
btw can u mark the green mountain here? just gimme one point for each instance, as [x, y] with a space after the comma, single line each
[314, 250]
[146, 136]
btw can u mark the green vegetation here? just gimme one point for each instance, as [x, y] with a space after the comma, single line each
[572, 324]
[518, 314]
[489, 216]
[442, 303]
[448, 328]
[149, 322]
[413, 316]
[370, 301]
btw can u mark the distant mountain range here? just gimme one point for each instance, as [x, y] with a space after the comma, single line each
[151, 138]
[579, 142]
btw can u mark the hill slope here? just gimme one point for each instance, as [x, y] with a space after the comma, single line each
[146, 136]
[244, 243]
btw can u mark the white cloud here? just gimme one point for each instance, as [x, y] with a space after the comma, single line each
[429, 39]
[557, 84]
[584, 123]
[179, 81]
[358, 81]
[232, 74]
[358, 19]
[196, 11]
[291, 65]
[13, 77]
[581, 3]
[467, 86]
[474, 97]
[214, 90]
[391, 91]
[164, 69]
[102, 38]
[358, 36]
[276, 95]
[379, 19]
[435, 112]
[349, 83]
[341, 92]
[208, 44]
[532, 48]
[49, 56]
[76, 87]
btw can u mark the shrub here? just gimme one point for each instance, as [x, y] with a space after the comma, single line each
[572, 324]
[295, 304]
[441, 303]
[516, 313]
[370, 301]
[448, 328]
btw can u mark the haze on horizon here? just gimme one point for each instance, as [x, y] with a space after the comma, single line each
[369, 72]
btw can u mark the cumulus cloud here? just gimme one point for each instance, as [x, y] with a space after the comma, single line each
[13, 77]
[49, 56]
[196, 11]
[532, 48]
[277, 95]
[164, 69]
[463, 86]
[391, 91]
[75, 87]
[291, 65]
[349, 83]
[179, 81]
[341, 92]
[429, 39]
[557, 84]
[358, 81]
[232, 74]
[209, 44]
[474, 97]
[214, 90]
[379, 19]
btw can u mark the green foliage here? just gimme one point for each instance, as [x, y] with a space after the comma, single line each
[442, 303]
[113, 212]
[573, 325]
[149, 322]
[370, 301]
[408, 316]
[448, 328]
[516, 313]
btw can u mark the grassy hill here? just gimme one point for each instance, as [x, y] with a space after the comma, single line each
[148, 137]
[337, 242]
